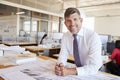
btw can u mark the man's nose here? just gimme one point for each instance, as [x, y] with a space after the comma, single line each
[72, 23]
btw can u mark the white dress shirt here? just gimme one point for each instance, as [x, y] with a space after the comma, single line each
[89, 48]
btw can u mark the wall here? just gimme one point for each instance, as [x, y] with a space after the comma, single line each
[8, 25]
[108, 25]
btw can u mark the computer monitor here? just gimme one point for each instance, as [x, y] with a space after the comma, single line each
[104, 38]
[110, 47]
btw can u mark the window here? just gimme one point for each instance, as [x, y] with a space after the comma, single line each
[34, 26]
[55, 26]
[27, 26]
[64, 28]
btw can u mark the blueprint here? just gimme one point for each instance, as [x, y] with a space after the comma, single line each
[44, 70]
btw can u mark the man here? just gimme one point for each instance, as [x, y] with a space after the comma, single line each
[89, 47]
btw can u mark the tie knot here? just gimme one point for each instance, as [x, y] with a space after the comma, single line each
[74, 35]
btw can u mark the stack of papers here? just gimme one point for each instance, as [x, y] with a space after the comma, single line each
[17, 49]
[22, 58]
[11, 49]
[15, 59]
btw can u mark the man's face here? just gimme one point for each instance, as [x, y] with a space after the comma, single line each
[73, 23]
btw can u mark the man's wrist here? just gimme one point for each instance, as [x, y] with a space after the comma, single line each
[73, 71]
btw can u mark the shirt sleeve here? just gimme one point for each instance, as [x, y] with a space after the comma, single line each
[113, 54]
[63, 52]
[94, 59]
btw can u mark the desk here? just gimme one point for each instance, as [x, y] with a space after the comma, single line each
[70, 58]
[98, 76]
[19, 43]
[37, 49]
[2, 66]
[42, 57]
[106, 59]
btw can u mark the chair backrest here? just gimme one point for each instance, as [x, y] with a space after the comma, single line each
[45, 35]
[110, 47]
[117, 44]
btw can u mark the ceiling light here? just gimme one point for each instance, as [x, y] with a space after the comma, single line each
[60, 1]
[20, 13]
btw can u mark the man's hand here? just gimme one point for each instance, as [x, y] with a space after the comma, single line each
[61, 70]
[58, 69]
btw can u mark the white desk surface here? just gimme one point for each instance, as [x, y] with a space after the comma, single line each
[45, 69]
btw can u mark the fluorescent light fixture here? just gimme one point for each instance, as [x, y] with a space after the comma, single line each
[61, 1]
[20, 13]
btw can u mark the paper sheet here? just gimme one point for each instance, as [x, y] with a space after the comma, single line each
[44, 70]
[12, 49]
[15, 59]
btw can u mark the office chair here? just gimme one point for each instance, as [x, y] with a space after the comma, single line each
[110, 47]
[45, 35]
[117, 44]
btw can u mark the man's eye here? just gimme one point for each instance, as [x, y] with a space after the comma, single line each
[69, 21]
[75, 19]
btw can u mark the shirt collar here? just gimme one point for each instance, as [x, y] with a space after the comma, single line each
[80, 33]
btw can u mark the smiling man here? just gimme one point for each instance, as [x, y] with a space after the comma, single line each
[83, 44]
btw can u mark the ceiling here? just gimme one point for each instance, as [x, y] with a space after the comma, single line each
[96, 8]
